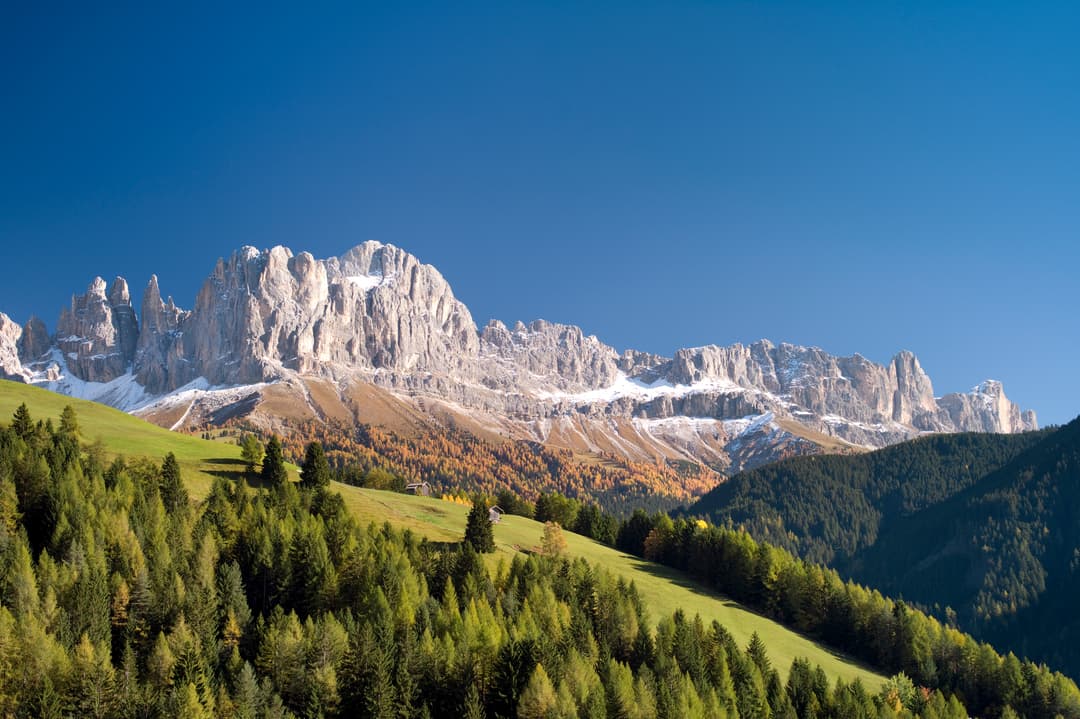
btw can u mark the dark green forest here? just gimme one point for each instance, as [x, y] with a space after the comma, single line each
[886, 634]
[1004, 554]
[120, 597]
[981, 530]
[825, 508]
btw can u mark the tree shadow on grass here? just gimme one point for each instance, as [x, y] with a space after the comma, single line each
[237, 471]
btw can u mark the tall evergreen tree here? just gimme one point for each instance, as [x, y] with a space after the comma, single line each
[173, 494]
[478, 530]
[21, 423]
[273, 466]
[69, 423]
[251, 450]
[315, 471]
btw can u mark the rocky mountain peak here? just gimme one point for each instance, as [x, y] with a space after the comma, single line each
[377, 315]
[98, 332]
[118, 293]
[35, 340]
[160, 358]
[987, 409]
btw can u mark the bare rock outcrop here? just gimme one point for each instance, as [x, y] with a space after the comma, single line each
[986, 409]
[35, 341]
[160, 363]
[98, 332]
[546, 355]
[10, 336]
[374, 308]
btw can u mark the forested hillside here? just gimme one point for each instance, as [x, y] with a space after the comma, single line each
[982, 530]
[122, 598]
[826, 508]
[1004, 554]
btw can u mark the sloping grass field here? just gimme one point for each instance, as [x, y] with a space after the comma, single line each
[664, 590]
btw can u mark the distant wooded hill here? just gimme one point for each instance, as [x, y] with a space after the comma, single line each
[982, 529]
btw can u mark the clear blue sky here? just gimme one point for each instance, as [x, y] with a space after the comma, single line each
[864, 177]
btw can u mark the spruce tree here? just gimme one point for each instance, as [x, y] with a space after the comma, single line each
[173, 494]
[21, 423]
[478, 530]
[273, 466]
[315, 471]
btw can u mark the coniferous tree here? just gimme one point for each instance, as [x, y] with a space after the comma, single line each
[173, 494]
[552, 542]
[251, 450]
[93, 690]
[274, 473]
[21, 423]
[69, 423]
[538, 699]
[315, 471]
[478, 530]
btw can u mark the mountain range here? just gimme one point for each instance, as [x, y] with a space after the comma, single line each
[376, 336]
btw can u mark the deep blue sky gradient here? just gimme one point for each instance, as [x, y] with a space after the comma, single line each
[864, 177]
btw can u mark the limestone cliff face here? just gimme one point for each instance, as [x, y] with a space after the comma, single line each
[847, 397]
[160, 363]
[377, 315]
[98, 332]
[986, 409]
[545, 355]
[816, 383]
[260, 313]
[35, 340]
[10, 336]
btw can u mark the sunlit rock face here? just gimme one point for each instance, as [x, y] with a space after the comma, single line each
[378, 316]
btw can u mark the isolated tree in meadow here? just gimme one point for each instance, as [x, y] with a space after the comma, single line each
[315, 471]
[274, 473]
[478, 530]
[251, 450]
[552, 543]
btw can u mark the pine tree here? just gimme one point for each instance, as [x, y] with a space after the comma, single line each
[21, 423]
[251, 450]
[93, 689]
[173, 494]
[246, 692]
[190, 706]
[69, 423]
[538, 700]
[315, 471]
[756, 652]
[474, 707]
[274, 473]
[478, 530]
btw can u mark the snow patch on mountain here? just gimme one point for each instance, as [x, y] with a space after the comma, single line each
[123, 392]
[632, 388]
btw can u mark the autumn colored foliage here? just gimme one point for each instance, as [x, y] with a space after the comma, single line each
[454, 461]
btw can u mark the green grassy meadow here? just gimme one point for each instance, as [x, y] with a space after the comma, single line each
[663, 589]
